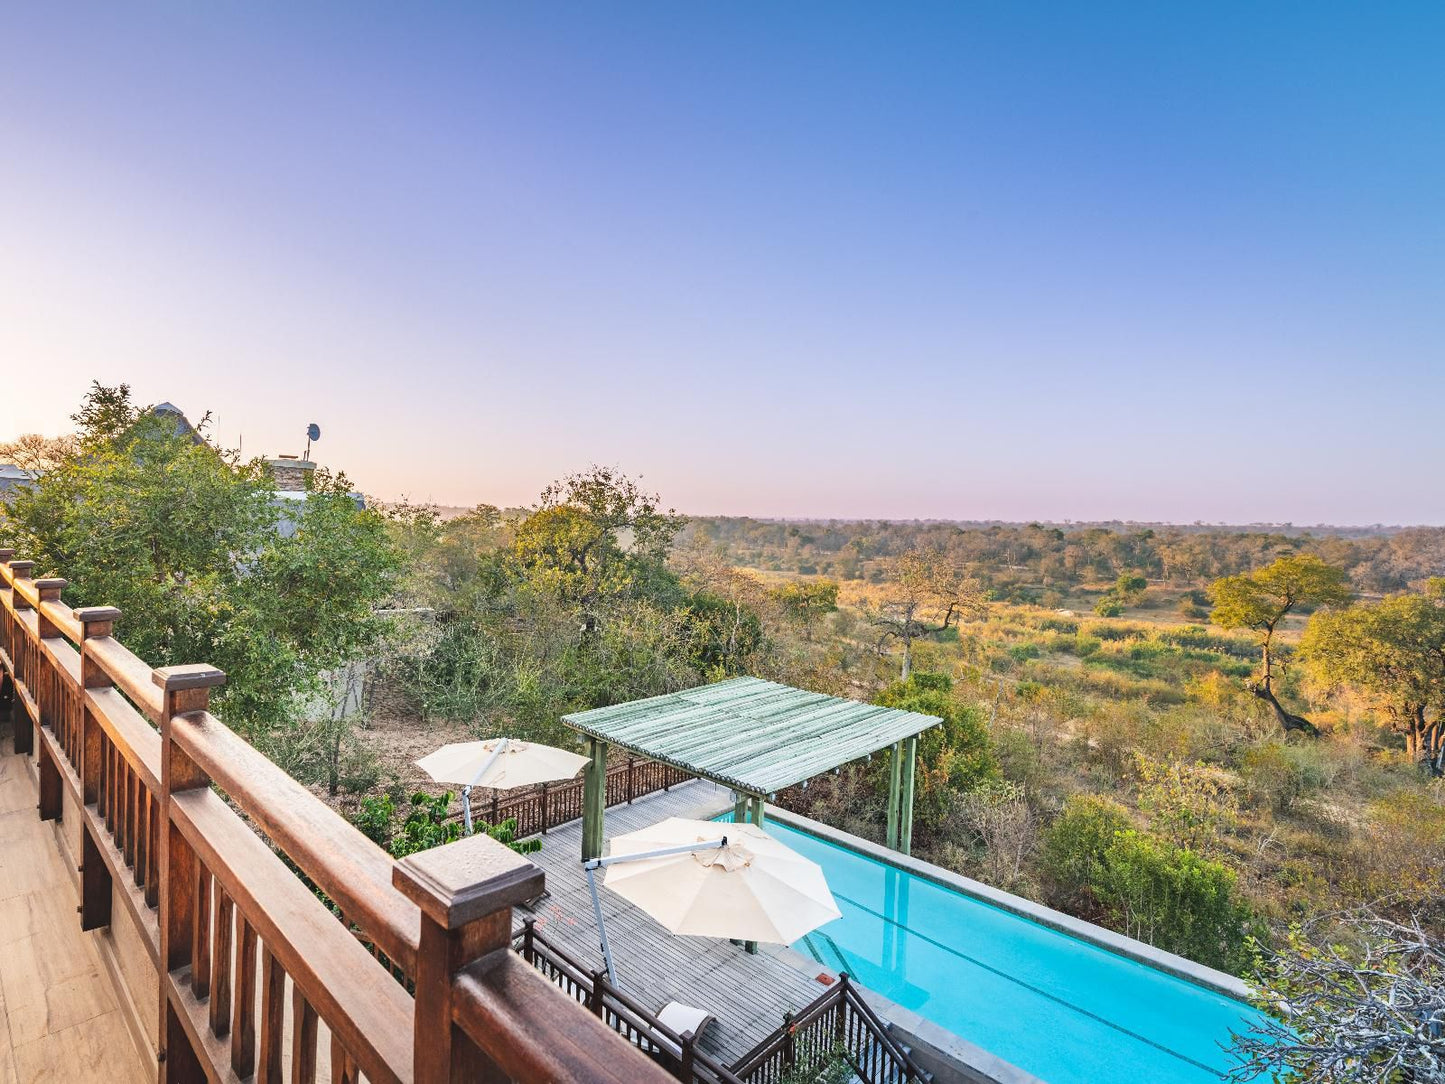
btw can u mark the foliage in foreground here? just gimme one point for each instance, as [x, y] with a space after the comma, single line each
[426, 825]
[1358, 1001]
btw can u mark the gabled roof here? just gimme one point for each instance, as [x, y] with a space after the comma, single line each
[752, 735]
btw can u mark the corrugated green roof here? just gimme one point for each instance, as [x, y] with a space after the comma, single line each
[748, 734]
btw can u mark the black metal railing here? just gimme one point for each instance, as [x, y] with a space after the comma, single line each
[838, 1025]
[676, 1052]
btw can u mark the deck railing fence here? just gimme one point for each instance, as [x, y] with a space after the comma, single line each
[620, 1011]
[838, 1024]
[554, 804]
[134, 755]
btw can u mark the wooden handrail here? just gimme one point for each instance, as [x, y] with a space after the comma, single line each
[133, 753]
[343, 983]
[347, 866]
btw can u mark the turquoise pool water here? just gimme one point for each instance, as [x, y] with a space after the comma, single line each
[1065, 1010]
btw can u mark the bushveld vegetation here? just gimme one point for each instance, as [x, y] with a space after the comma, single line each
[1197, 736]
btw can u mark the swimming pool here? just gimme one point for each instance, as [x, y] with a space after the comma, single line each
[1063, 1009]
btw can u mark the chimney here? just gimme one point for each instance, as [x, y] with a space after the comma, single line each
[291, 474]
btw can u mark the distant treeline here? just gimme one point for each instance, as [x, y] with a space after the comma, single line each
[1007, 555]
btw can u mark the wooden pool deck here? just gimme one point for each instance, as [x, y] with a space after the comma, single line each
[747, 993]
[59, 1018]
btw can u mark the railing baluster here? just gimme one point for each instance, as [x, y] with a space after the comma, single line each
[153, 838]
[201, 935]
[303, 1038]
[221, 964]
[243, 1000]
[343, 1070]
[273, 1018]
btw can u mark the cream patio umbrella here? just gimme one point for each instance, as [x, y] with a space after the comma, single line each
[500, 763]
[715, 879]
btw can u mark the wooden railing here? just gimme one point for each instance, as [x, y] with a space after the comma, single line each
[558, 803]
[134, 755]
[839, 1024]
[620, 1011]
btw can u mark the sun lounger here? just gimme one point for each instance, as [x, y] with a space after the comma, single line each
[685, 1020]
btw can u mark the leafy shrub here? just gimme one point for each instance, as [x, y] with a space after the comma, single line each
[1058, 624]
[1025, 651]
[1175, 900]
[1275, 777]
[1190, 804]
[1109, 606]
[426, 826]
[1074, 845]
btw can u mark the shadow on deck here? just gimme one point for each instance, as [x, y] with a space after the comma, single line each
[60, 1018]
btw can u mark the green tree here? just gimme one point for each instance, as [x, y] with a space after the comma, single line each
[927, 591]
[596, 534]
[1392, 653]
[183, 538]
[1074, 845]
[1262, 599]
[807, 600]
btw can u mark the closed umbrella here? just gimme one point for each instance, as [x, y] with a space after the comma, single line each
[500, 763]
[714, 879]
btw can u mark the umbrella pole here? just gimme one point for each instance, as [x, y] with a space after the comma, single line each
[592, 865]
[601, 926]
[467, 808]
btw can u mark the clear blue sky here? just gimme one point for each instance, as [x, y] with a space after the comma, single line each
[1152, 261]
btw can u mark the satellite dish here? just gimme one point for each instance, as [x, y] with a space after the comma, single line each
[313, 432]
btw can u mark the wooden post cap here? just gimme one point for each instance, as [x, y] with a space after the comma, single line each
[467, 880]
[23, 569]
[50, 587]
[89, 615]
[195, 675]
[6, 554]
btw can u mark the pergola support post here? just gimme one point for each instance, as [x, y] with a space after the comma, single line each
[594, 799]
[905, 812]
[755, 803]
[895, 781]
[756, 815]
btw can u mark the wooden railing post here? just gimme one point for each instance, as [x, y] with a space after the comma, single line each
[95, 888]
[466, 891]
[685, 1068]
[545, 817]
[23, 734]
[790, 1044]
[597, 1002]
[49, 590]
[529, 937]
[51, 806]
[631, 783]
[185, 689]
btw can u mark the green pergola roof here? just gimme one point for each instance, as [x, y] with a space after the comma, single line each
[752, 735]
